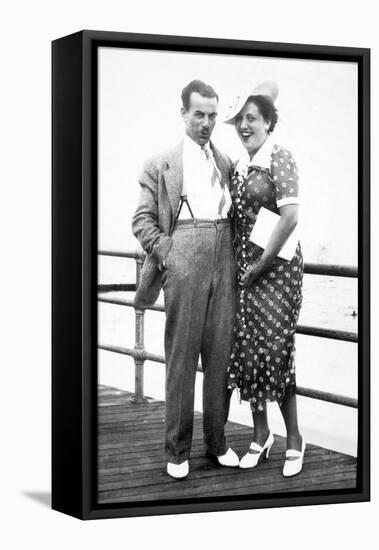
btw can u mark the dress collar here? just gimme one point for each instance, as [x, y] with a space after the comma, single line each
[262, 157]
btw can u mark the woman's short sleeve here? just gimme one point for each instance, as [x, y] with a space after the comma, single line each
[285, 177]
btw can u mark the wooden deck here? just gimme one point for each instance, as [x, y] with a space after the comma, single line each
[132, 463]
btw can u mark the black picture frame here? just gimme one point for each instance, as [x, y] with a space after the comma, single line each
[74, 272]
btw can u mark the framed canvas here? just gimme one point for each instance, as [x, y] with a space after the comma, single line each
[118, 102]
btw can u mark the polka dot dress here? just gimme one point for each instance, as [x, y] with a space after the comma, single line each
[262, 363]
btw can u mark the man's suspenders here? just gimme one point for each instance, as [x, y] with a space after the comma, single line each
[183, 200]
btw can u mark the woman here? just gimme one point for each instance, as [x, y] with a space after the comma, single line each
[269, 296]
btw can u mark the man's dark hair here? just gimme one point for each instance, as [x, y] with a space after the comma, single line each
[197, 86]
[266, 108]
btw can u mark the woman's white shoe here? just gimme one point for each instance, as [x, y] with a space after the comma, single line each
[253, 456]
[294, 461]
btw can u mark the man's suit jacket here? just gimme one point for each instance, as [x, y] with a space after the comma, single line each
[153, 222]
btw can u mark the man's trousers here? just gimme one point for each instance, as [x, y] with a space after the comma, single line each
[199, 293]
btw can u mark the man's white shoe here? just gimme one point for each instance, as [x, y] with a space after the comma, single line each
[229, 459]
[178, 471]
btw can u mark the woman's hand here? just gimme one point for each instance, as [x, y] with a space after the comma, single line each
[286, 224]
[250, 274]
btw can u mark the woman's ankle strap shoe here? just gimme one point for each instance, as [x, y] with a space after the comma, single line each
[256, 453]
[294, 461]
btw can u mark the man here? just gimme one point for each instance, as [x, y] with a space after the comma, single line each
[181, 222]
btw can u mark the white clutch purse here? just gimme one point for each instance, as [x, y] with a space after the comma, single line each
[263, 228]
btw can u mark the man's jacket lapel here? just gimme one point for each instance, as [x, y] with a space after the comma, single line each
[173, 177]
[222, 165]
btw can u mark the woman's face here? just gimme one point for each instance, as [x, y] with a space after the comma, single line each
[252, 129]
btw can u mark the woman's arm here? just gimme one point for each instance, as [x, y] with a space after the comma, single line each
[286, 224]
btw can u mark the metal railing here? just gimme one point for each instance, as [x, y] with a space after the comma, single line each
[140, 355]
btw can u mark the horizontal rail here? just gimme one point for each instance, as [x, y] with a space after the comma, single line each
[117, 287]
[332, 270]
[126, 302]
[329, 397]
[139, 354]
[301, 329]
[122, 254]
[334, 334]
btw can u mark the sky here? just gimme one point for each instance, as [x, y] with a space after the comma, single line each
[139, 117]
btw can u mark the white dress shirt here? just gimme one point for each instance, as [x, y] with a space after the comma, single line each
[203, 197]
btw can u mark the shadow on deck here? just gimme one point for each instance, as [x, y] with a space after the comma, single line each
[132, 465]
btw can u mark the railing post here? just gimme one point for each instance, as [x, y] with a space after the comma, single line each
[139, 344]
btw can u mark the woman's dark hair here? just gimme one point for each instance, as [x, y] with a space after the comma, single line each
[266, 108]
[196, 86]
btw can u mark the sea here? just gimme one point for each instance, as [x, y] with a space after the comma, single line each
[325, 364]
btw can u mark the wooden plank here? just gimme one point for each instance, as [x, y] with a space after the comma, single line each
[157, 462]
[157, 453]
[224, 475]
[231, 484]
[203, 466]
[188, 489]
[240, 444]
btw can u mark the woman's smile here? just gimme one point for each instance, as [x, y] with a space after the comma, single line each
[251, 128]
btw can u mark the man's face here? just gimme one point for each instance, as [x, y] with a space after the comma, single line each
[200, 118]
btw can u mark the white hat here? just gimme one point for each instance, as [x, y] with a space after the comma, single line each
[268, 88]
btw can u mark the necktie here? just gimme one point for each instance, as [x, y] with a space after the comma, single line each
[216, 176]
